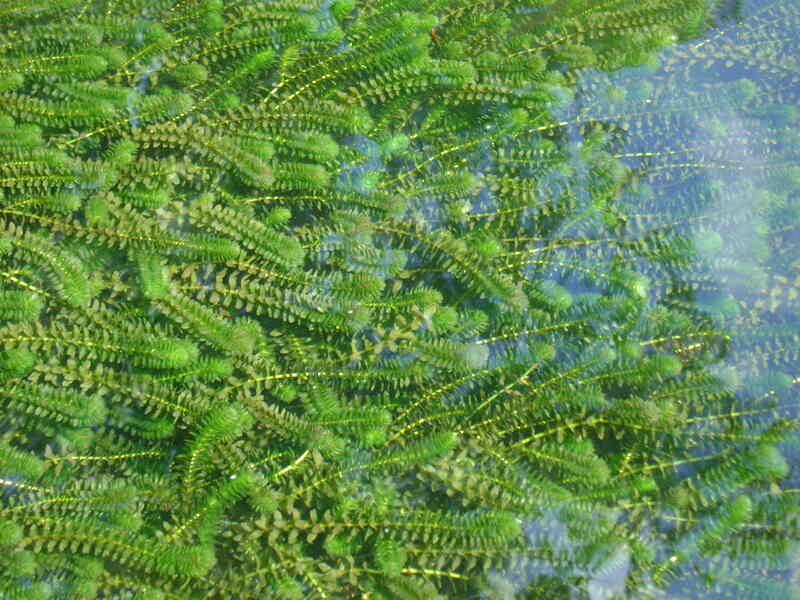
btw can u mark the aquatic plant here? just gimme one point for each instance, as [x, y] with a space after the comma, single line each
[307, 299]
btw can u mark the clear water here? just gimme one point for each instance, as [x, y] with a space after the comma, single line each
[587, 389]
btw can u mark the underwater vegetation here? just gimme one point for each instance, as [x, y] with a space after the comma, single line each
[389, 300]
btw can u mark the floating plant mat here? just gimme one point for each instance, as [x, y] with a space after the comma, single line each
[398, 300]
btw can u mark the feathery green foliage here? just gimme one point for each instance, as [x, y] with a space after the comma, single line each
[388, 300]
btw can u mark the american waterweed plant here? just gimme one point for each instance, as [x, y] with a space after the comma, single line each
[365, 299]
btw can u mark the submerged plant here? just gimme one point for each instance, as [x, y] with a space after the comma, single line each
[306, 299]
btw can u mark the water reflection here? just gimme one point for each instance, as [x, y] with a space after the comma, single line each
[710, 132]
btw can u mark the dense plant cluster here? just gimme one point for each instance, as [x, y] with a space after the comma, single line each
[380, 299]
